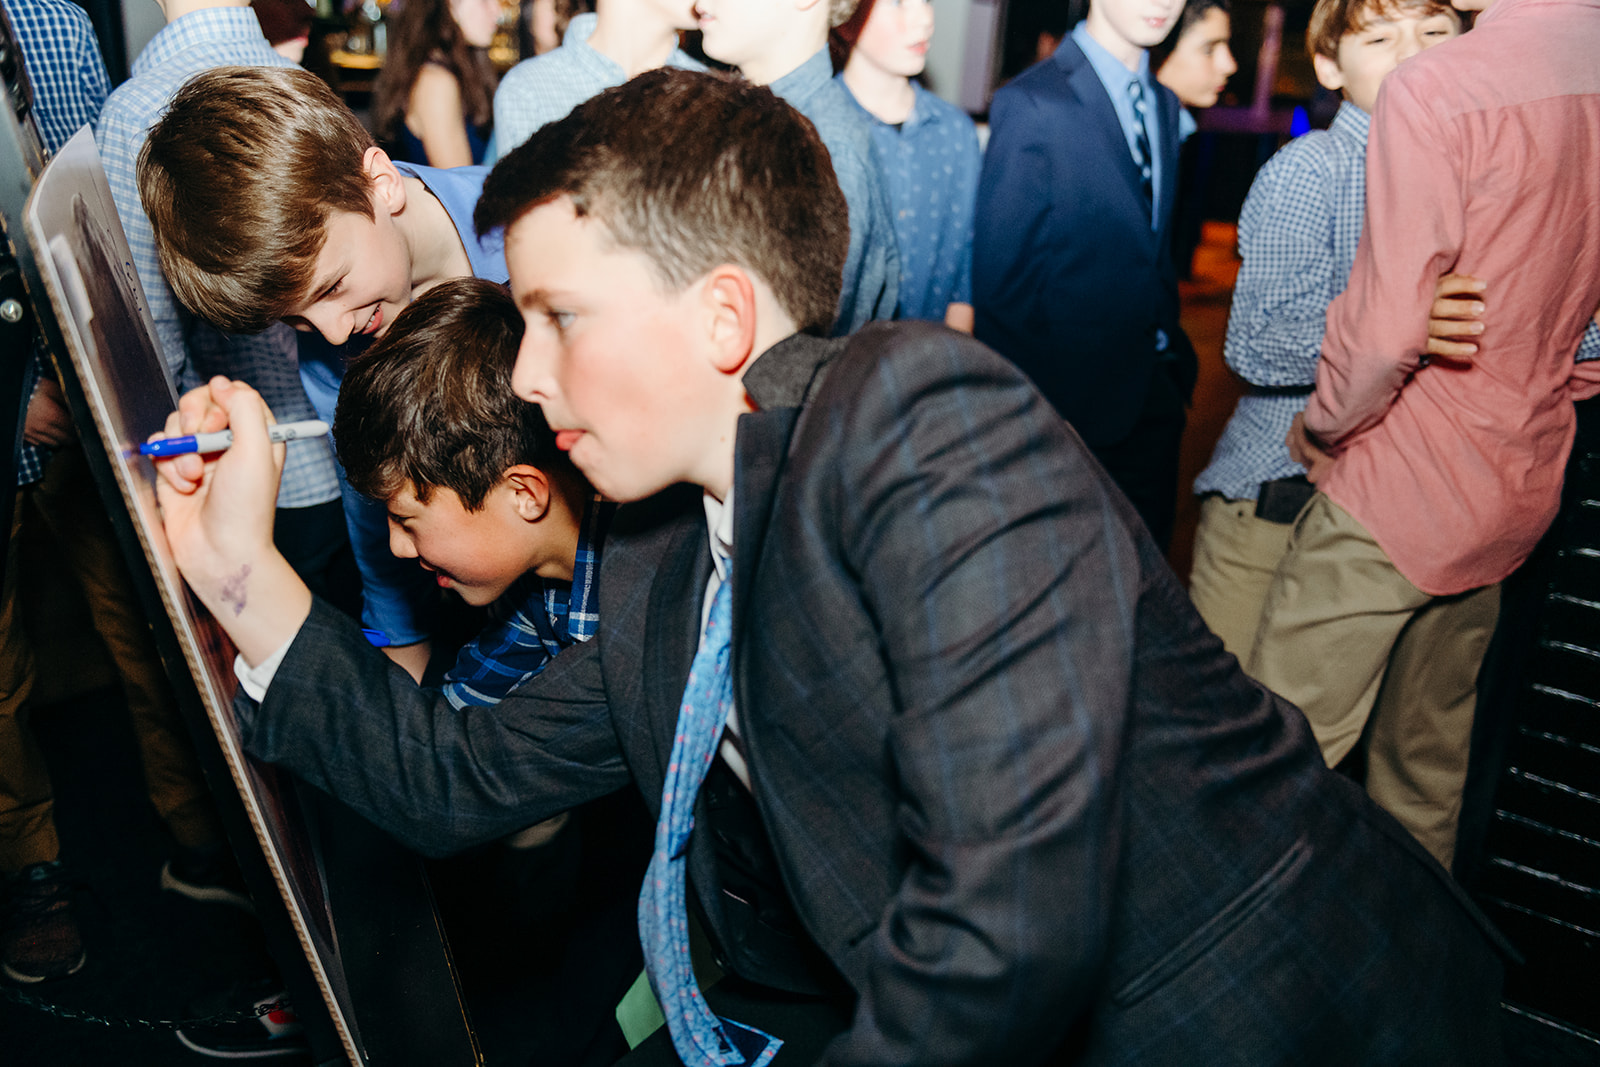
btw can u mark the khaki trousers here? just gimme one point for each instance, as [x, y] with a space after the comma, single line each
[66, 502]
[1341, 626]
[1235, 557]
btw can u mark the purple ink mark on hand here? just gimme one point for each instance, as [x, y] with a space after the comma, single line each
[233, 590]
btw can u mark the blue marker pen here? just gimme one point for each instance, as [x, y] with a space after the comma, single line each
[205, 443]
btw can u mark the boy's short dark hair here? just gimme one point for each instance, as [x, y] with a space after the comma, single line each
[693, 170]
[430, 405]
[238, 180]
[1332, 20]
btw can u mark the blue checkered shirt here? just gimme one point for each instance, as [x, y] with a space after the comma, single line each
[1297, 233]
[532, 622]
[542, 89]
[930, 167]
[872, 265]
[196, 42]
[69, 80]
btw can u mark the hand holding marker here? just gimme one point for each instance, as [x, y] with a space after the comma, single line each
[206, 443]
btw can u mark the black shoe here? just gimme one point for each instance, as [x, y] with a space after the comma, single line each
[274, 1035]
[40, 938]
[207, 874]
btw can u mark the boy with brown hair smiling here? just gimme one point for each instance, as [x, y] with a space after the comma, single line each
[946, 768]
[269, 200]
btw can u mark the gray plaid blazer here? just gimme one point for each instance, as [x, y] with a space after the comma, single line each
[1020, 798]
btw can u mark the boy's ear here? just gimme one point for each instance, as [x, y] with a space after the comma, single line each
[388, 186]
[1328, 73]
[530, 491]
[730, 298]
[806, 5]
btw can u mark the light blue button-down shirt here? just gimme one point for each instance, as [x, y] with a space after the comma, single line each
[872, 267]
[1116, 78]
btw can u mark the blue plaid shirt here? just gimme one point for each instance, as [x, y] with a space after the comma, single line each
[1297, 233]
[70, 86]
[196, 42]
[532, 622]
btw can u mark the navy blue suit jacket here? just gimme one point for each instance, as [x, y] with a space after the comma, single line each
[1020, 798]
[1069, 281]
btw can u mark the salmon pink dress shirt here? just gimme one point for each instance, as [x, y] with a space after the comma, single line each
[1484, 158]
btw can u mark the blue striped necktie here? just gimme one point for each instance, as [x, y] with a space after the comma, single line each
[698, 1035]
[1141, 144]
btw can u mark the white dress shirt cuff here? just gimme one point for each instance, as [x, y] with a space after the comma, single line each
[255, 680]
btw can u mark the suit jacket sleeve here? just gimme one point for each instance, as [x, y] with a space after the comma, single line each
[341, 716]
[1002, 574]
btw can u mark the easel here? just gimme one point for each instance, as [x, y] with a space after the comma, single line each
[347, 912]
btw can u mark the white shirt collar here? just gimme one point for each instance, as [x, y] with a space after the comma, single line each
[719, 527]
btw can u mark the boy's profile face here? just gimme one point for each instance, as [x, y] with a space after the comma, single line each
[362, 278]
[895, 37]
[476, 553]
[1201, 63]
[1388, 36]
[616, 361]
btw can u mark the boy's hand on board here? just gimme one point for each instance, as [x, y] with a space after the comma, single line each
[1456, 318]
[217, 509]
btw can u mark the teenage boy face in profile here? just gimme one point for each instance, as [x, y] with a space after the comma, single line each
[641, 383]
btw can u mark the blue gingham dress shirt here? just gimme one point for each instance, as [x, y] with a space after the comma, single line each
[872, 266]
[930, 167]
[196, 42]
[542, 89]
[532, 622]
[69, 81]
[1298, 233]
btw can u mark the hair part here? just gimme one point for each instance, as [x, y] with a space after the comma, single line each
[430, 405]
[238, 179]
[1194, 12]
[426, 31]
[693, 170]
[1333, 20]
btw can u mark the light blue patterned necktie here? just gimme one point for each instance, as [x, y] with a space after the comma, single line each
[699, 1036]
[1141, 144]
